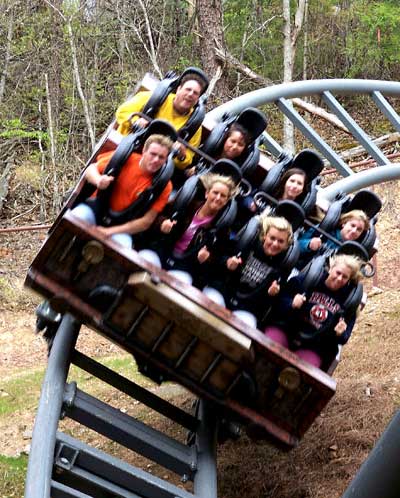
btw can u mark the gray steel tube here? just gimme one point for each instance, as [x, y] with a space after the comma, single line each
[379, 476]
[362, 179]
[301, 89]
[41, 455]
[205, 479]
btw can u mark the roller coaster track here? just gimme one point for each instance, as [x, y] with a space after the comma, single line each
[329, 92]
[62, 466]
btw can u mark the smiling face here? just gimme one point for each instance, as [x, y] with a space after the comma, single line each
[275, 241]
[294, 186]
[217, 197]
[187, 96]
[352, 229]
[338, 276]
[234, 145]
[153, 158]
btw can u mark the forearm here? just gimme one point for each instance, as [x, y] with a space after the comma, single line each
[132, 227]
[92, 174]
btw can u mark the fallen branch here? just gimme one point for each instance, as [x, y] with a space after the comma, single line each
[230, 60]
[25, 228]
[381, 141]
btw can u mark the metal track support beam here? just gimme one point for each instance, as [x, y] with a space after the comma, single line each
[41, 455]
[379, 476]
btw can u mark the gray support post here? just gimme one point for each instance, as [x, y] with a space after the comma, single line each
[355, 129]
[379, 476]
[41, 455]
[386, 109]
[309, 132]
[205, 479]
[271, 144]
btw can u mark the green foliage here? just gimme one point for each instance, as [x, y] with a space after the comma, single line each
[112, 50]
[374, 45]
[14, 128]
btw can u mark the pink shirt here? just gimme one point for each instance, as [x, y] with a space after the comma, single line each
[190, 232]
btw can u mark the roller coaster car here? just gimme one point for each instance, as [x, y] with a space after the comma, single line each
[177, 331]
[306, 160]
[364, 200]
[171, 328]
[252, 120]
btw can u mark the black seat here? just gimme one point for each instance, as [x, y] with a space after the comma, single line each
[364, 200]
[133, 143]
[193, 189]
[255, 122]
[306, 160]
[168, 85]
[246, 237]
[315, 272]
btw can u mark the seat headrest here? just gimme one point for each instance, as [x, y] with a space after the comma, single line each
[353, 248]
[254, 121]
[292, 212]
[310, 162]
[199, 73]
[226, 167]
[365, 200]
[161, 127]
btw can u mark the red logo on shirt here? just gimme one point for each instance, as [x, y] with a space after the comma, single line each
[319, 313]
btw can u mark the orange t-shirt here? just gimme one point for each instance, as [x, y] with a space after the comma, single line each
[130, 183]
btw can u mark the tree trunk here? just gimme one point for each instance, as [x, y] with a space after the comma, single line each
[289, 54]
[79, 85]
[209, 13]
[6, 55]
[288, 60]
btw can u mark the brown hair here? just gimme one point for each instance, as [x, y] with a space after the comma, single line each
[290, 172]
[193, 77]
[241, 129]
[160, 140]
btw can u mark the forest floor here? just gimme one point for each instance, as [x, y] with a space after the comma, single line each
[330, 454]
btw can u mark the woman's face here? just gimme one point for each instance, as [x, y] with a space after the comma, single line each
[294, 186]
[217, 196]
[338, 276]
[234, 145]
[352, 229]
[275, 241]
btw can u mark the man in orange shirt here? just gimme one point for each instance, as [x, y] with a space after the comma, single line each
[135, 177]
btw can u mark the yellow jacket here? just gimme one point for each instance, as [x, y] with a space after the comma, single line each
[166, 111]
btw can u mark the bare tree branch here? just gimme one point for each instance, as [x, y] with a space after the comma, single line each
[151, 51]
[231, 61]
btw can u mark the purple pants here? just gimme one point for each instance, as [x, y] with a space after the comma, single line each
[278, 335]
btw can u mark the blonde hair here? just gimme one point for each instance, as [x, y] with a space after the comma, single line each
[159, 139]
[357, 214]
[209, 179]
[352, 262]
[277, 222]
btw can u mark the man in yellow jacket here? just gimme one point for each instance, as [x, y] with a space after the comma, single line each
[176, 109]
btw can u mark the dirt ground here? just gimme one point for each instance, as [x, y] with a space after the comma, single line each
[333, 449]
